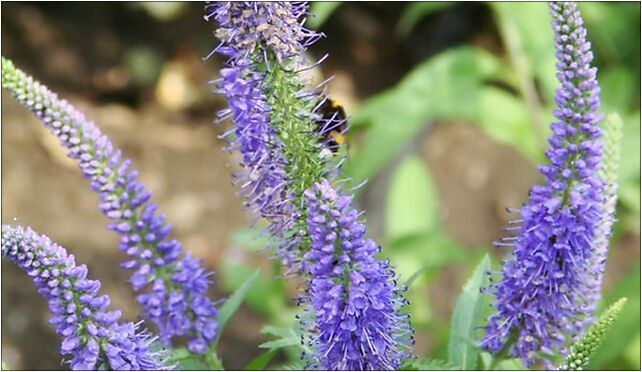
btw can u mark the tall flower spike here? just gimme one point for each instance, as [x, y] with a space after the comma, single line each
[93, 338]
[173, 289]
[353, 302]
[541, 296]
[263, 43]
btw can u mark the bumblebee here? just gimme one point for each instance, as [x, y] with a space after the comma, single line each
[331, 124]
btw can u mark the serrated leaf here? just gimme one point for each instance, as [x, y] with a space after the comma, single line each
[282, 342]
[414, 12]
[322, 10]
[411, 207]
[398, 114]
[233, 303]
[467, 318]
[427, 364]
[286, 336]
[258, 363]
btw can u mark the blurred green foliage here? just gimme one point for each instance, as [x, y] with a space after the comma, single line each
[509, 96]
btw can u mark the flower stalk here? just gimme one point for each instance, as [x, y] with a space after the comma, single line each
[93, 337]
[542, 293]
[173, 289]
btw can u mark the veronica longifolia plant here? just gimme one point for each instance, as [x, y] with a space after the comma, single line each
[541, 298]
[173, 289]
[352, 318]
[92, 336]
[272, 112]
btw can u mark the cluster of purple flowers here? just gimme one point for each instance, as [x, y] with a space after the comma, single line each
[542, 295]
[353, 317]
[353, 297]
[174, 288]
[92, 336]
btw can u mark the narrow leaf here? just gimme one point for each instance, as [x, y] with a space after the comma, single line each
[234, 302]
[261, 361]
[281, 342]
[467, 318]
[427, 364]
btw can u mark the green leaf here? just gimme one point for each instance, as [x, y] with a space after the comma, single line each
[581, 352]
[322, 10]
[504, 365]
[258, 363]
[628, 325]
[265, 296]
[427, 364]
[411, 208]
[416, 254]
[285, 337]
[446, 86]
[414, 12]
[187, 361]
[467, 317]
[292, 366]
[504, 118]
[192, 364]
[233, 303]
[280, 343]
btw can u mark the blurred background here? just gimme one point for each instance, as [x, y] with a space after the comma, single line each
[450, 107]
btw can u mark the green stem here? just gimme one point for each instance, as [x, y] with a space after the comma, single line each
[519, 62]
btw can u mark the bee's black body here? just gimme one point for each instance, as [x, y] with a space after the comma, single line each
[332, 135]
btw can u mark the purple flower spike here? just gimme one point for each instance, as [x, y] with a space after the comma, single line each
[353, 302]
[92, 337]
[543, 295]
[174, 289]
[246, 30]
